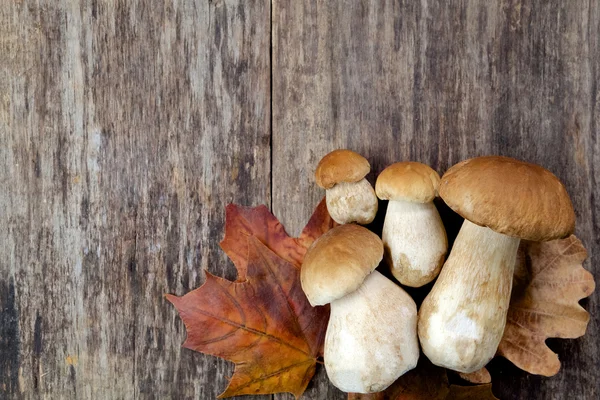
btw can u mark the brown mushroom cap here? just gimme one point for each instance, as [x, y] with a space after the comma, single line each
[509, 196]
[408, 181]
[341, 166]
[338, 262]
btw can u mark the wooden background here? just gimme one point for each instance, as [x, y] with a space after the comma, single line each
[126, 126]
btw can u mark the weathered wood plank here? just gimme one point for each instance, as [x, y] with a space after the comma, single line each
[125, 127]
[440, 82]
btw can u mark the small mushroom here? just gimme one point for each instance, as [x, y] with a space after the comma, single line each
[413, 234]
[371, 338]
[349, 196]
[462, 320]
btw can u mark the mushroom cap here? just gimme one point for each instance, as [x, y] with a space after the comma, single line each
[509, 196]
[408, 181]
[341, 166]
[338, 262]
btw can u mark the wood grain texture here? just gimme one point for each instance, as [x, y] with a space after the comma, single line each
[125, 127]
[438, 82]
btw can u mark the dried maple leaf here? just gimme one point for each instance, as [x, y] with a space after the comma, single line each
[263, 322]
[319, 223]
[549, 282]
[265, 325]
[242, 222]
[427, 382]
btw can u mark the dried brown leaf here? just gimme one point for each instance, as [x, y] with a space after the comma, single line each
[549, 282]
[479, 377]
[481, 392]
[426, 381]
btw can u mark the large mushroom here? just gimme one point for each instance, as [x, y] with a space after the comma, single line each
[371, 338]
[503, 200]
[413, 234]
[349, 196]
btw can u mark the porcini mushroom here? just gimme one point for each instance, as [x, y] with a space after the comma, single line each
[349, 196]
[413, 234]
[371, 338]
[503, 200]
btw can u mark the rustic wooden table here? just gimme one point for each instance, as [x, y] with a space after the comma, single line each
[126, 126]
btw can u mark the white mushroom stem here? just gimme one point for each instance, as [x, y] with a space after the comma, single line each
[462, 320]
[371, 338]
[415, 241]
[352, 202]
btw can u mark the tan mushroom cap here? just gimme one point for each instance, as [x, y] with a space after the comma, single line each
[341, 166]
[408, 181]
[509, 196]
[338, 262]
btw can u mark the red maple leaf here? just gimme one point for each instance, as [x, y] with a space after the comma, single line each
[263, 322]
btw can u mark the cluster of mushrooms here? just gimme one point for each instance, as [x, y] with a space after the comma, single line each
[374, 330]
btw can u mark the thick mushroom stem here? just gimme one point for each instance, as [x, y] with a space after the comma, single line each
[352, 202]
[415, 241]
[371, 338]
[462, 320]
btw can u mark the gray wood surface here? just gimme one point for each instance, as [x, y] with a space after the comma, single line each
[126, 126]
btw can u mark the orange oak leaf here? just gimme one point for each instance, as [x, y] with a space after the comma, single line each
[264, 324]
[242, 222]
[549, 282]
[427, 382]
